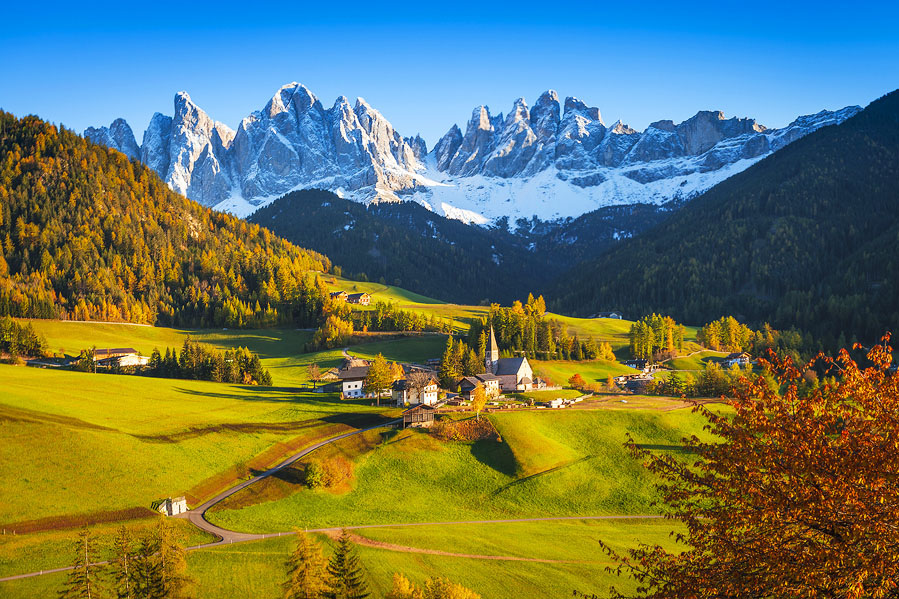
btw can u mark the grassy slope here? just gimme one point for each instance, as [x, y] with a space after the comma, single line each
[414, 478]
[696, 361]
[256, 569]
[75, 443]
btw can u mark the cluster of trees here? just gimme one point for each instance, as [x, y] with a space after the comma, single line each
[523, 328]
[726, 334]
[381, 375]
[783, 498]
[386, 316]
[803, 239]
[712, 381]
[20, 339]
[653, 337]
[311, 576]
[458, 360]
[334, 332]
[151, 567]
[202, 362]
[86, 234]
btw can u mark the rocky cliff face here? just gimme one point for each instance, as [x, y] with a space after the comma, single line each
[555, 160]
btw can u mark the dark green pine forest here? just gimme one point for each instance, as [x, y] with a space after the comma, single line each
[86, 234]
[806, 238]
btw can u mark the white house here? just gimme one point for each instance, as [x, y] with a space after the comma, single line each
[120, 356]
[403, 393]
[172, 506]
[740, 358]
[352, 380]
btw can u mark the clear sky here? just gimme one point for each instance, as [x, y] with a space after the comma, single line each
[426, 65]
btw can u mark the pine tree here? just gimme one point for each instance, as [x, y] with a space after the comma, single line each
[307, 574]
[82, 582]
[347, 576]
[122, 565]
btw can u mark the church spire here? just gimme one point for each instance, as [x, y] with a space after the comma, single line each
[492, 353]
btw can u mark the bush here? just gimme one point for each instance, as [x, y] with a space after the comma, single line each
[328, 473]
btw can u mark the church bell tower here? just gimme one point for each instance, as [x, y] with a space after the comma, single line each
[492, 354]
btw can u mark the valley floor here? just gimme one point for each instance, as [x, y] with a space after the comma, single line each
[79, 447]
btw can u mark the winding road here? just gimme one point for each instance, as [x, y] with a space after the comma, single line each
[197, 517]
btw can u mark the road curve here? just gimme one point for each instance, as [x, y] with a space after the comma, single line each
[197, 516]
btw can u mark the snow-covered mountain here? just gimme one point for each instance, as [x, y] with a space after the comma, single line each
[553, 161]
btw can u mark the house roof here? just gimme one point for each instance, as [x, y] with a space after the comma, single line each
[525, 381]
[354, 372]
[506, 366]
[487, 377]
[420, 407]
[471, 380]
[736, 355]
[115, 351]
[356, 295]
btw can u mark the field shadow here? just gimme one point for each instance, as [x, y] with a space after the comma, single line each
[674, 448]
[531, 477]
[495, 454]
[276, 394]
[293, 474]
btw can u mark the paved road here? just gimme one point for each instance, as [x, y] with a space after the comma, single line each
[197, 516]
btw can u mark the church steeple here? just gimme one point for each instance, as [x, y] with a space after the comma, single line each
[492, 353]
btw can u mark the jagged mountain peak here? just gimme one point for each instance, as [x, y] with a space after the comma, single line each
[553, 159]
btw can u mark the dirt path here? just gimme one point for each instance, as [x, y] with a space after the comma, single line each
[229, 537]
[360, 540]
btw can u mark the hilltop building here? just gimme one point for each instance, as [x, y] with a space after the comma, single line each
[514, 374]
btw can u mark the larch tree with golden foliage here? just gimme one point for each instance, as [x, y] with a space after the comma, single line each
[479, 400]
[797, 495]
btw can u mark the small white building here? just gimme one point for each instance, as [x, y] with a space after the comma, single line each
[172, 506]
[403, 393]
[352, 380]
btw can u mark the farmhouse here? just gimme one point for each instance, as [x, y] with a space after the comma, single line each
[489, 381]
[739, 358]
[514, 374]
[338, 296]
[403, 393]
[172, 506]
[615, 315]
[120, 356]
[363, 299]
[420, 415]
[351, 380]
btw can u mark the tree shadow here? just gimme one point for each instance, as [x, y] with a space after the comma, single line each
[495, 454]
[674, 448]
[293, 474]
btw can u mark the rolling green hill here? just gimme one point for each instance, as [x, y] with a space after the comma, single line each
[804, 238]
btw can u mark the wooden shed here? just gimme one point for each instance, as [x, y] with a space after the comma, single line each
[420, 415]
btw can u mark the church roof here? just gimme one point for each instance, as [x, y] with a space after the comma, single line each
[509, 365]
[493, 346]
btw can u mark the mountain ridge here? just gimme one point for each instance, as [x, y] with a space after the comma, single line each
[555, 160]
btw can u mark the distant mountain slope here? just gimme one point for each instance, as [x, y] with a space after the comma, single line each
[86, 234]
[807, 237]
[409, 246]
[555, 160]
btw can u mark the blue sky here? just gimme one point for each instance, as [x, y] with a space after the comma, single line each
[426, 65]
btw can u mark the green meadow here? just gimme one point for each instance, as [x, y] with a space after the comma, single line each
[548, 463]
[256, 569]
[75, 443]
[697, 361]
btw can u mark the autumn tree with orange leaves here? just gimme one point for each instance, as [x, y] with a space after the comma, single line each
[797, 496]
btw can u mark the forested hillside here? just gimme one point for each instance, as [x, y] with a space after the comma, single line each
[804, 238]
[406, 245]
[86, 234]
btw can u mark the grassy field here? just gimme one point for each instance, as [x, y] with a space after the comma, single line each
[74, 443]
[548, 463]
[696, 361]
[559, 371]
[257, 569]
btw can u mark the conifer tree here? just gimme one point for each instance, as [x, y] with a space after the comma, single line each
[122, 565]
[307, 574]
[83, 580]
[347, 576]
